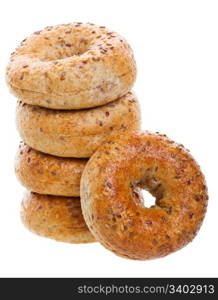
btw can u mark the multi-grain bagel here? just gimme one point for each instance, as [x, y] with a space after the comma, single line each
[75, 133]
[46, 174]
[58, 218]
[157, 164]
[71, 66]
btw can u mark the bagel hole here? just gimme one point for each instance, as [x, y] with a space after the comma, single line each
[148, 199]
[150, 191]
[143, 197]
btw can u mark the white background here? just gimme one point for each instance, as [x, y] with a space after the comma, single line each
[176, 49]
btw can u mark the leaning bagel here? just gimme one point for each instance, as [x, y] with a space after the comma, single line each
[157, 164]
[58, 218]
[47, 174]
[75, 133]
[71, 66]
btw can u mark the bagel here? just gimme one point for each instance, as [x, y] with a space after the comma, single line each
[162, 167]
[71, 66]
[47, 174]
[75, 133]
[58, 218]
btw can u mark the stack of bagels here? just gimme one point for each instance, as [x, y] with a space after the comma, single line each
[83, 158]
[73, 85]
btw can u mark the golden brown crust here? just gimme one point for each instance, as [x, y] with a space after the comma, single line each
[46, 174]
[76, 133]
[153, 162]
[58, 218]
[71, 66]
